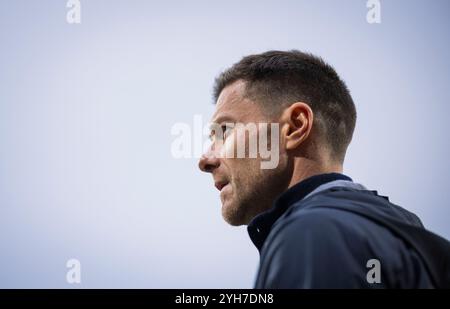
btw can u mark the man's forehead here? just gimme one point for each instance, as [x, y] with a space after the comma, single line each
[229, 104]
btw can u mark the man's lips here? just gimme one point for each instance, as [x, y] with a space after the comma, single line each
[220, 184]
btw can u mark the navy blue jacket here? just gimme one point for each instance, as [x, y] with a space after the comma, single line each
[325, 238]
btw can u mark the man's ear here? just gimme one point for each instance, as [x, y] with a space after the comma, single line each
[297, 122]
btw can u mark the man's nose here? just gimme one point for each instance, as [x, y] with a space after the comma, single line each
[208, 162]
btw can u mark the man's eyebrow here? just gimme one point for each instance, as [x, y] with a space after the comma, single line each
[221, 119]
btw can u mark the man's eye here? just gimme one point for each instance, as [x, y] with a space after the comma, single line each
[225, 131]
[220, 135]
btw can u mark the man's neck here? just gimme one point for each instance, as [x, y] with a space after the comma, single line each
[305, 168]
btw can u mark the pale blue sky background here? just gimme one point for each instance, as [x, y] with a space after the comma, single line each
[86, 110]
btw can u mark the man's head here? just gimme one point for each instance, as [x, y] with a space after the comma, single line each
[315, 115]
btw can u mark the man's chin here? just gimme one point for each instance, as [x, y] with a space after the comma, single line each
[233, 215]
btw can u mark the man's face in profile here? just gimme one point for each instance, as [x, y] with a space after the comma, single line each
[245, 188]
